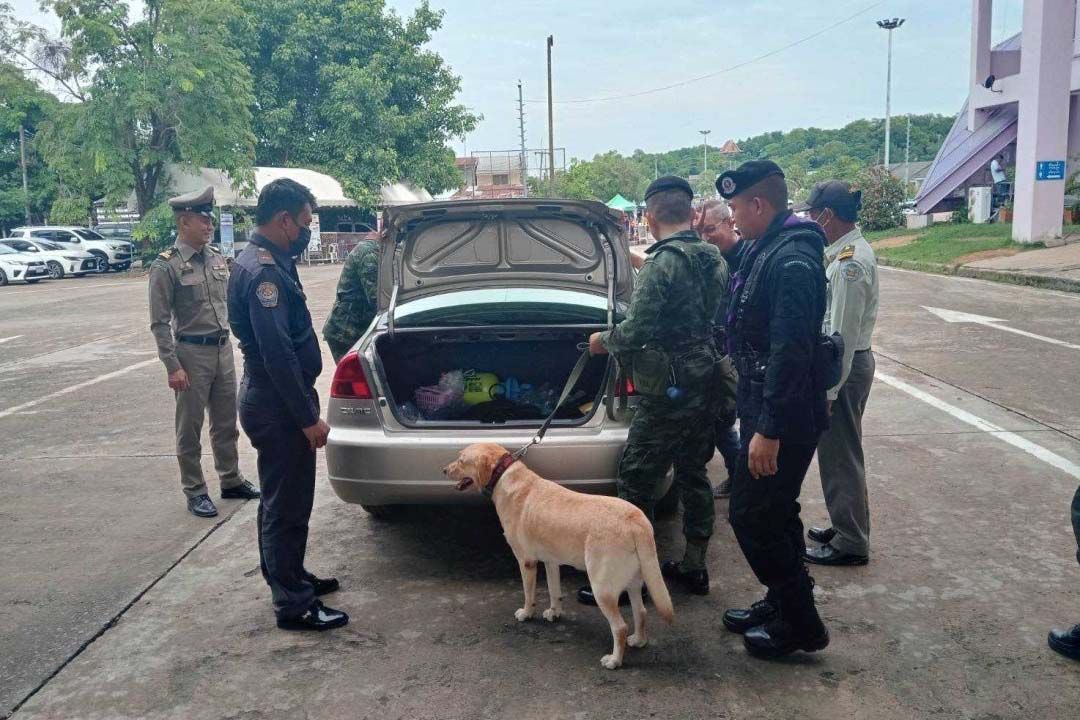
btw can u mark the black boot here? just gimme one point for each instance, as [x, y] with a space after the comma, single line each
[739, 620]
[798, 626]
[695, 582]
[1066, 642]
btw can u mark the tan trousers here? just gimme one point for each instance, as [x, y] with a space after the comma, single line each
[212, 373]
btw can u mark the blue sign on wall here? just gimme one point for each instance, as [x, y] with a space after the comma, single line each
[1050, 170]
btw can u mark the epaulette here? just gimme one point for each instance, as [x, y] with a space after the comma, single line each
[168, 254]
[214, 250]
[847, 253]
[265, 257]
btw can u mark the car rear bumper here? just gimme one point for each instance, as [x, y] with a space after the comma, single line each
[373, 467]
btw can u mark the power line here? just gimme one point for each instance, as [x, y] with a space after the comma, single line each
[737, 66]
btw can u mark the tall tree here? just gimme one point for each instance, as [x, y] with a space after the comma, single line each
[348, 86]
[168, 86]
[22, 105]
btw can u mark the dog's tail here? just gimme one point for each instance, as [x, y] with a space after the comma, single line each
[650, 571]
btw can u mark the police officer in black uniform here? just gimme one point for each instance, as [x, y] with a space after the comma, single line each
[279, 408]
[773, 328]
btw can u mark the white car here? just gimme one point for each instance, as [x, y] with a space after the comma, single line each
[115, 254]
[59, 260]
[20, 267]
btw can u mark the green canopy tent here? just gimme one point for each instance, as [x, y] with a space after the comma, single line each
[620, 203]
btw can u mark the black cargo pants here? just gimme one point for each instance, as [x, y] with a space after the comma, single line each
[287, 478]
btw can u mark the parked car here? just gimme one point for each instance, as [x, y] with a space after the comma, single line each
[58, 259]
[115, 230]
[20, 267]
[114, 254]
[505, 290]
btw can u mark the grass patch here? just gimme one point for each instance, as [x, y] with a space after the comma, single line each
[944, 243]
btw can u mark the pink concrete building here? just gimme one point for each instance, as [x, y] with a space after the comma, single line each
[1023, 102]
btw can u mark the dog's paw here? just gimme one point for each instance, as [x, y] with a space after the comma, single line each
[522, 614]
[636, 641]
[610, 662]
[551, 614]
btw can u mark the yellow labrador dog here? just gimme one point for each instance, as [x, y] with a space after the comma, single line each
[608, 538]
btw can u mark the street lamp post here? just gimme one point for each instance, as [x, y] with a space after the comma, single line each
[889, 25]
[705, 140]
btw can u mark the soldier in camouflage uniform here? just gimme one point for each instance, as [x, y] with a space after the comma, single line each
[355, 305]
[675, 300]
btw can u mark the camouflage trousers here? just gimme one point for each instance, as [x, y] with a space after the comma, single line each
[665, 434]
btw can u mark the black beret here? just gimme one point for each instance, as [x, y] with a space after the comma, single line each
[835, 195]
[668, 182]
[742, 178]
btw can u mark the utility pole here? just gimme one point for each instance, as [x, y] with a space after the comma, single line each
[25, 183]
[551, 117]
[705, 139]
[889, 25]
[656, 167]
[521, 128]
[907, 158]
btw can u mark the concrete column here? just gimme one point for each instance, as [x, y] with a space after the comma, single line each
[982, 15]
[1074, 134]
[1043, 128]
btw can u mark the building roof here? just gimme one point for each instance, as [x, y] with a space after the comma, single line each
[730, 148]
[327, 191]
[916, 171]
[964, 151]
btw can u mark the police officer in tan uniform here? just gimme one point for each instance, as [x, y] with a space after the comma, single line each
[190, 321]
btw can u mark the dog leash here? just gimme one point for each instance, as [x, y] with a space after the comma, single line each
[575, 375]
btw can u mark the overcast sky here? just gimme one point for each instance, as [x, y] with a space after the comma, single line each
[607, 48]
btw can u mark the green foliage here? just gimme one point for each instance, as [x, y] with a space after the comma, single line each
[22, 103]
[882, 197]
[348, 87]
[948, 243]
[601, 178]
[71, 211]
[156, 232]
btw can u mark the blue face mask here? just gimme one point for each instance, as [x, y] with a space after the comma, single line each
[300, 244]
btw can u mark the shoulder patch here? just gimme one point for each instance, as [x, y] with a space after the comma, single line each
[265, 257]
[847, 253]
[851, 271]
[267, 292]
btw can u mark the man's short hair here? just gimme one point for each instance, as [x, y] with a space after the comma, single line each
[670, 207]
[282, 194]
[717, 206]
[772, 190]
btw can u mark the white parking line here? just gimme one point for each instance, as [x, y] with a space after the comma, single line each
[75, 388]
[1038, 451]
[8, 339]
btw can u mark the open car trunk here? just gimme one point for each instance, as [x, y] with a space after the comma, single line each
[487, 376]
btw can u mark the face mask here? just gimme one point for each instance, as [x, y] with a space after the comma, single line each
[826, 223]
[300, 244]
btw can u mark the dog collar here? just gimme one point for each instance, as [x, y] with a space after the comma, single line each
[500, 467]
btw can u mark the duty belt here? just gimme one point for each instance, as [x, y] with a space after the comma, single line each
[204, 340]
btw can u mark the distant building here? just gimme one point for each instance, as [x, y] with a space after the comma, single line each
[1022, 103]
[491, 175]
[914, 172]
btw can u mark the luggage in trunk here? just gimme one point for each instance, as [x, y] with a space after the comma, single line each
[482, 376]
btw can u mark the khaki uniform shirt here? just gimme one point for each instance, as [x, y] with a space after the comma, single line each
[188, 296]
[851, 271]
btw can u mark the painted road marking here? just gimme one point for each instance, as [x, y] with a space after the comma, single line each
[952, 316]
[76, 388]
[8, 339]
[1038, 451]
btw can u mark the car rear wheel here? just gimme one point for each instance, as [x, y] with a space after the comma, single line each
[384, 513]
[56, 270]
[3, 278]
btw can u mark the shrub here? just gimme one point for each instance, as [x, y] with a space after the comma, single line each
[882, 198]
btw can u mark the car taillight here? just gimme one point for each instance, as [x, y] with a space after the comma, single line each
[349, 380]
[630, 389]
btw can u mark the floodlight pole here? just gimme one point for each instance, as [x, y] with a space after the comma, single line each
[705, 140]
[551, 116]
[889, 25]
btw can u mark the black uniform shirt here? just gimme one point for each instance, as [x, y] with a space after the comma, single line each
[269, 316]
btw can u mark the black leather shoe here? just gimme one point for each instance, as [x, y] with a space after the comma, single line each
[1065, 642]
[244, 491]
[779, 638]
[828, 555]
[318, 617]
[723, 490]
[202, 506]
[585, 596]
[739, 620]
[695, 582]
[324, 586]
[821, 535]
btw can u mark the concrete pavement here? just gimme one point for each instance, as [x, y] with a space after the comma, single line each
[973, 441]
